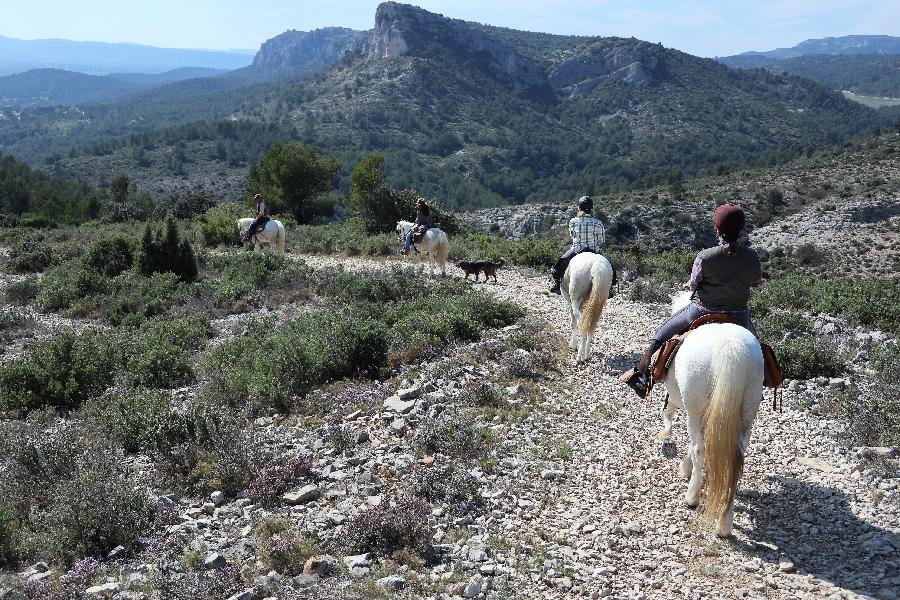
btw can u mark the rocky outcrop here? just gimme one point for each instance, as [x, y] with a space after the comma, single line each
[633, 62]
[308, 51]
[401, 29]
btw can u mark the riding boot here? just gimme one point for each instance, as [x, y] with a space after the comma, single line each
[555, 287]
[638, 378]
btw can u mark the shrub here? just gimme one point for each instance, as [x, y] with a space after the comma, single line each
[22, 292]
[30, 255]
[453, 434]
[159, 353]
[218, 225]
[871, 413]
[94, 509]
[395, 523]
[480, 393]
[243, 273]
[275, 479]
[281, 547]
[209, 449]
[62, 374]
[138, 419]
[185, 206]
[68, 283]
[444, 483]
[109, 256]
[644, 290]
[804, 358]
[884, 360]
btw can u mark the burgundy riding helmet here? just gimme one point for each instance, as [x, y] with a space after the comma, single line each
[729, 218]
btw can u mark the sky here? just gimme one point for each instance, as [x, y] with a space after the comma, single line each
[701, 27]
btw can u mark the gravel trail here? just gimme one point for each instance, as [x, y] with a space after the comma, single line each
[587, 504]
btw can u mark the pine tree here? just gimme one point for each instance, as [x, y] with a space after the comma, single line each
[146, 262]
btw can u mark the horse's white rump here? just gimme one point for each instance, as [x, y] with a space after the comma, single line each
[717, 376]
[435, 244]
[272, 233]
[585, 289]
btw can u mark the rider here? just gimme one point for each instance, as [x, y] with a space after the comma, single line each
[262, 217]
[721, 279]
[588, 234]
[422, 224]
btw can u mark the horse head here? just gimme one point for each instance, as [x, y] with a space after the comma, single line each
[402, 229]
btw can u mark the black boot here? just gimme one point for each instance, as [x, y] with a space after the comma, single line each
[554, 288]
[639, 381]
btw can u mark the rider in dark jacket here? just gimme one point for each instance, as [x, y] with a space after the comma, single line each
[421, 224]
[721, 279]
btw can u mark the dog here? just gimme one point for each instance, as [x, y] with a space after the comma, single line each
[477, 267]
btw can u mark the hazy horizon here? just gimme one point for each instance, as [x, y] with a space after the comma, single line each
[701, 27]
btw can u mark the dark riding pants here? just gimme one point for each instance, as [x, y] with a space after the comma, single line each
[681, 322]
[258, 224]
[559, 269]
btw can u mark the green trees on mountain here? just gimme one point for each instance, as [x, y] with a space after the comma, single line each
[289, 176]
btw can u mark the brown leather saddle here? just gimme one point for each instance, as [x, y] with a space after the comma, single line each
[662, 359]
[420, 231]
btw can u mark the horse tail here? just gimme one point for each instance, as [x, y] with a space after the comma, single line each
[280, 239]
[731, 362]
[441, 249]
[601, 281]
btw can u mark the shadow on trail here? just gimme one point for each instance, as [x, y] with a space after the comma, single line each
[814, 527]
[619, 363]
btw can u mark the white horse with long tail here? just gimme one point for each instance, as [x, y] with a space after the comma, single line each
[717, 376]
[272, 233]
[585, 290]
[434, 243]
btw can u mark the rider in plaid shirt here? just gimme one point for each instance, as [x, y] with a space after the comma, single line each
[588, 234]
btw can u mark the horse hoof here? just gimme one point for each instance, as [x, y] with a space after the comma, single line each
[668, 450]
[723, 533]
[693, 506]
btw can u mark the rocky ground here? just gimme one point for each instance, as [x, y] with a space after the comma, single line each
[582, 500]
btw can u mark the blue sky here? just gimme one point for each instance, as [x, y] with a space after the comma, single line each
[702, 27]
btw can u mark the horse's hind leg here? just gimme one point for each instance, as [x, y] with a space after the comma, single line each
[696, 455]
[673, 403]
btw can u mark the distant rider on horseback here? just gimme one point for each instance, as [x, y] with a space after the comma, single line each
[262, 217]
[420, 226]
[588, 234]
[721, 279]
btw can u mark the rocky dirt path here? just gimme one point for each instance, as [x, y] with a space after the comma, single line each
[584, 502]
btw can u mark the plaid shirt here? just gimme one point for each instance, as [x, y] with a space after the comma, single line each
[587, 232]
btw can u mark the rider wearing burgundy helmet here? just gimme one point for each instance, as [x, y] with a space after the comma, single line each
[721, 279]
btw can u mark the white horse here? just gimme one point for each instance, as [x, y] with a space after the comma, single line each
[435, 244]
[717, 376]
[585, 289]
[272, 233]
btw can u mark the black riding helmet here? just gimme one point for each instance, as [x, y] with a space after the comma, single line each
[586, 204]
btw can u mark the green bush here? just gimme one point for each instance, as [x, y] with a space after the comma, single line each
[805, 358]
[110, 256]
[158, 354]
[884, 359]
[528, 252]
[68, 283]
[248, 271]
[218, 225]
[63, 373]
[870, 302]
[22, 292]
[138, 419]
[30, 255]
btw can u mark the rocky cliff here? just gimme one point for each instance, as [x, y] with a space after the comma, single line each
[632, 61]
[401, 29]
[308, 51]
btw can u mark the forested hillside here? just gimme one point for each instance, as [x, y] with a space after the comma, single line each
[471, 114]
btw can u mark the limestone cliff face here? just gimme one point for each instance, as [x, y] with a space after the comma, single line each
[635, 63]
[308, 50]
[401, 29]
